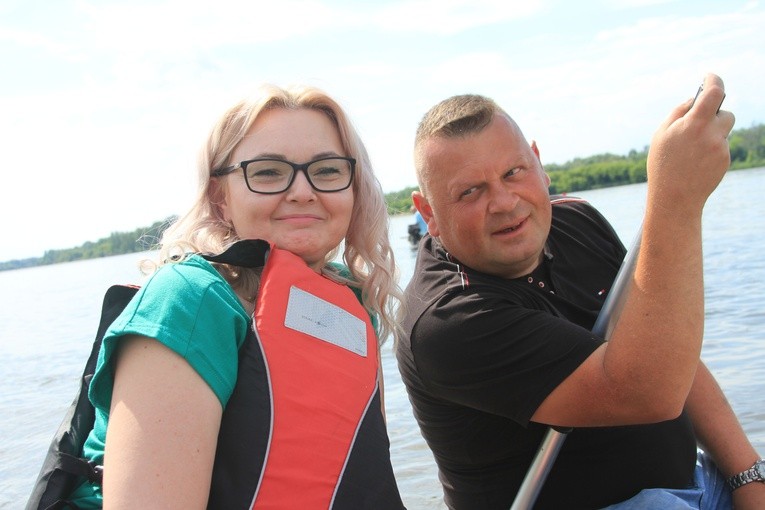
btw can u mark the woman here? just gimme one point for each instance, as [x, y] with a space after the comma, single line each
[193, 409]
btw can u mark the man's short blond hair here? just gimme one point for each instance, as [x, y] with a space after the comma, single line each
[453, 117]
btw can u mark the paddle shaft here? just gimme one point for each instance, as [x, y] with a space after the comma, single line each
[553, 440]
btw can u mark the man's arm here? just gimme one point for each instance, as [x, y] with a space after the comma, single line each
[720, 434]
[645, 372]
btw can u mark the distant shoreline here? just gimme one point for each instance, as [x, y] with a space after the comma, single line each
[143, 239]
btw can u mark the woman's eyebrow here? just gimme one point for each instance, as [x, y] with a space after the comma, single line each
[274, 155]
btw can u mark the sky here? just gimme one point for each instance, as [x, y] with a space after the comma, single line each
[104, 104]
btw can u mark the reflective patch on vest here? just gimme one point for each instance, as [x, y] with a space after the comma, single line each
[321, 319]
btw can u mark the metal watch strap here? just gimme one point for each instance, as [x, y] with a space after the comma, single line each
[756, 473]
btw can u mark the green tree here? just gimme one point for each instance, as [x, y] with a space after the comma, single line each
[400, 201]
[747, 150]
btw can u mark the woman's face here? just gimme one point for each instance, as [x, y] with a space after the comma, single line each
[307, 222]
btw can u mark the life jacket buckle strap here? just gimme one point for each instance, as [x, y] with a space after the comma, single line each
[96, 474]
[81, 467]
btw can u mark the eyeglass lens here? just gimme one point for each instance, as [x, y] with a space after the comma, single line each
[275, 176]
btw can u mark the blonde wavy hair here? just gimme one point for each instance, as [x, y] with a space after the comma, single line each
[366, 249]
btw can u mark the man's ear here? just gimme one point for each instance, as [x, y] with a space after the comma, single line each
[422, 205]
[535, 150]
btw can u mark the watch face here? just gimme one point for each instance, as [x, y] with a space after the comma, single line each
[760, 467]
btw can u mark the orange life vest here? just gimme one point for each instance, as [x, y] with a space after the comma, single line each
[304, 426]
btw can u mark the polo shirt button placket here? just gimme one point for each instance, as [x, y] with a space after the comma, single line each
[540, 283]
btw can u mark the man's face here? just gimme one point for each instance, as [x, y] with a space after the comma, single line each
[487, 199]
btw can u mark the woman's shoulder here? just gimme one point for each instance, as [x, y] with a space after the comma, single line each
[192, 278]
[192, 270]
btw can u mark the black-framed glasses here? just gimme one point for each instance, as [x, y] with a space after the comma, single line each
[269, 176]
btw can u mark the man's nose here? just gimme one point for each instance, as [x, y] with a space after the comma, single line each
[502, 199]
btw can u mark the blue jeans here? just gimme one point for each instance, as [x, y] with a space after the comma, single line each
[710, 492]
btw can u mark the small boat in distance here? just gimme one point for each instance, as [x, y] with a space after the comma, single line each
[414, 233]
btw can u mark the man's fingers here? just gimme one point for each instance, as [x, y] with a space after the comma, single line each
[677, 113]
[728, 120]
[709, 97]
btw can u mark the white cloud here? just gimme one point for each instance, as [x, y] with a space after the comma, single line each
[183, 26]
[630, 4]
[453, 16]
[139, 84]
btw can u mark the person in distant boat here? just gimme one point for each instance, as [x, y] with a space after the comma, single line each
[417, 229]
[497, 343]
[251, 378]
[420, 221]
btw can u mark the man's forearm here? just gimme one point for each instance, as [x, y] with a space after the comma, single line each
[720, 434]
[654, 349]
[717, 428]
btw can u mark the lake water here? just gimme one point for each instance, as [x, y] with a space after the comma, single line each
[49, 315]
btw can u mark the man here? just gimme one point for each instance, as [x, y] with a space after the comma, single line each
[497, 343]
[421, 223]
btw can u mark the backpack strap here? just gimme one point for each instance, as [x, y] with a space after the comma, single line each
[62, 470]
[81, 467]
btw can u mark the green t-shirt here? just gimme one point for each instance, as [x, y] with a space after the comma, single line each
[191, 309]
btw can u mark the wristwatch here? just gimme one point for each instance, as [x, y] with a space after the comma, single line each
[755, 473]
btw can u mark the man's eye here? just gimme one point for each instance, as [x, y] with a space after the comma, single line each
[468, 192]
[512, 172]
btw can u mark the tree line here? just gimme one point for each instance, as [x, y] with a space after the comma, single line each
[117, 243]
[747, 150]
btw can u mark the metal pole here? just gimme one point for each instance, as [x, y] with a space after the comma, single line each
[553, 440]
[540, 467]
